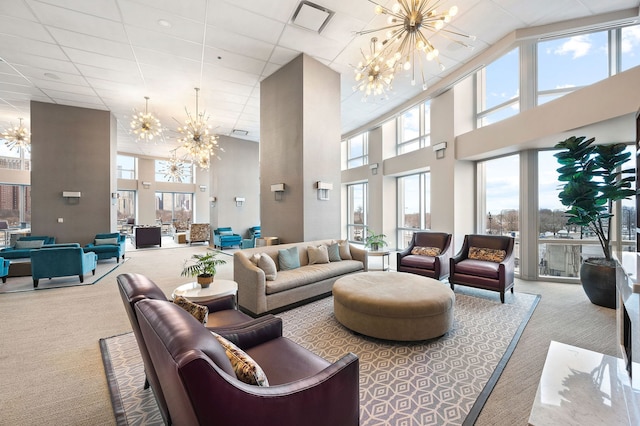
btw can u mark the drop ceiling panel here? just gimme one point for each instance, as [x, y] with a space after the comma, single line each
[169, 45]
[17, 9]
[216, 58]
[191, 9]
[63, 87]
[310, 43]
[13, 44]
[144, 17]
[223, 40]
[241, 21]
[30, 29]
[281, 10]
[92, 44]
[30, 64]
[103, 8]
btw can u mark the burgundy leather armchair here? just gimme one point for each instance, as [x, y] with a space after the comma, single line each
[496, 275]
[201, 387]
[222, 316]
[436, 267]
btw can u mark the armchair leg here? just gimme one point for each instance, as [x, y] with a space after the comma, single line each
[502, 296]
[511, 290]
[451, 285]
[4, 280]
[146, 382]
[35, 283]
[81, 279]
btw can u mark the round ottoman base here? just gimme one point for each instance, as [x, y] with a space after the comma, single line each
[394, 305]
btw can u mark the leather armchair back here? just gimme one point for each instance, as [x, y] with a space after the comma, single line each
[433, 267]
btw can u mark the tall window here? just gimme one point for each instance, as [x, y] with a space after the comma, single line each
[566, 64]
[499, 89]
[356, 211]
[414, 206]
[14, 160]
[126, 167]
[357, 151]
[414, 128]
[502, 199]
[15, 205]
[630, 47]
[174, 206]
[126, 205]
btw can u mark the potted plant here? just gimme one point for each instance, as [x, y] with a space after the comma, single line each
[203, 267]
[374, 241]
[593, 181]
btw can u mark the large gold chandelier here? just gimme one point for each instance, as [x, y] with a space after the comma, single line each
[196, 137]
[17, 137]
[145, 125]
[374, 75]
[411, 25]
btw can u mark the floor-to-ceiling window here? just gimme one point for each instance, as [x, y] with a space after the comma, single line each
[501, 198]
[414, 206]
[126, 205]
[174, 206]
[629, 47]
[356, 211]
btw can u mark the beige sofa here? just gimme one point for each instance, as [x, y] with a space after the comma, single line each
[257, 295]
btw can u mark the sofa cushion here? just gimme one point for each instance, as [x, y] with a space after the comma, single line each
[318, 254]
[345, 251]
[28, 244]
[311, 274]
[288, 258]
[106, 241]
[199, 312]
[267, 264]
[246, 369]
[334, 252]
[426, 251]
[478, 268]
[418, 261]
[486, 254]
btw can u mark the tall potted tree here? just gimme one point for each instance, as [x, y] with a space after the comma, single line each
[593, 181]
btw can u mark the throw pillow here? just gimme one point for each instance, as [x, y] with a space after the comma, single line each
[246, 369]
[199, 312]
[106, 241]
[29, 244]
[487, 254]
[318, 255]
[345, 251]
[254, 258]
[267, 264]
[426, 251]
[288, 258]
[334, 252]
[226, 232]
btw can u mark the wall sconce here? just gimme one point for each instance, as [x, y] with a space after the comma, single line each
[239, 201]
[323, 190]
[212, 200]
[374, 168]
[146, 185]
[71, 194]
[203, 188]
[278, 191]
[439, 149]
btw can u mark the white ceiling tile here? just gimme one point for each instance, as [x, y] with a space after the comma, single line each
[92, 44]
[28, 29]
[96, 60]
[31, 64]
[219, 39]
[310, 43]
[233, 61]
[241, 21]
[12, 44]
[281, 10]
[103, 8]
[145, 17]
[157, 41]
[192, 9]
[229, 75]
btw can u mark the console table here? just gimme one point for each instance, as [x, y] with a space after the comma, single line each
[148, 236]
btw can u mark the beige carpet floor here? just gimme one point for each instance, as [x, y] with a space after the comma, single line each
[51, 370]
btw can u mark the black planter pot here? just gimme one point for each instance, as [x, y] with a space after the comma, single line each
[599, 283]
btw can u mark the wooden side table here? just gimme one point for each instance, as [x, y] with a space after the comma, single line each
[384, 254]
[267, 241]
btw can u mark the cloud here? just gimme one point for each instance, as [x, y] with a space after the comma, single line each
[578, 46]
[630, 39]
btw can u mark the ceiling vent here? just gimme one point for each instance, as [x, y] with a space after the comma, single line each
[311, 16]
[238, 132]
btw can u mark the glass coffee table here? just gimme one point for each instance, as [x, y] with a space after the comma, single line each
[195, 293]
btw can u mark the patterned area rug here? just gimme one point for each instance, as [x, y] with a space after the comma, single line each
[443, 381]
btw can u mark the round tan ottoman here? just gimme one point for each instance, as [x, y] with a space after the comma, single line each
[393, 305]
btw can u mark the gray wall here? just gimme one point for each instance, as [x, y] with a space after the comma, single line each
[300, 145]
[72, 149]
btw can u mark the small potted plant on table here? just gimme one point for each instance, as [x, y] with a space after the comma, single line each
[375, 241]
[203, 267]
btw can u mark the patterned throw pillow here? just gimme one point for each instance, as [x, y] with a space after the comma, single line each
[490, 255]
[288, 258]
[199, 312]
[426, 251]
[267, 264]
[106, 241]
[246, 369]
[334, 252]
[317, 255]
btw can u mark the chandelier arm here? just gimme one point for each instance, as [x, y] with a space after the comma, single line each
[365, 32]
[405, 6]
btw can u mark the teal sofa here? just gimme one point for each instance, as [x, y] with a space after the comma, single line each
[108, 245]
[61, 262]
[24, 245]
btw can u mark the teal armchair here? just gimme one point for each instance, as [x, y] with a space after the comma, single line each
[254, 232]
[107, 246]
[4, 269]
[224, 237]
[61, 262]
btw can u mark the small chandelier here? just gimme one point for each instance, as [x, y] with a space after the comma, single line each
[173, 169]
[374, 75]
[196, 139]
[145, 125]
[17, 137]
[411, 23]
